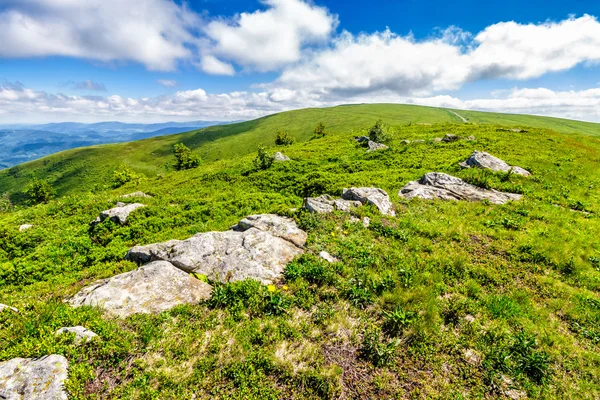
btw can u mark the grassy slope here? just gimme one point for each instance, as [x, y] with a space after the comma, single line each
[516, 285]
[90, 168]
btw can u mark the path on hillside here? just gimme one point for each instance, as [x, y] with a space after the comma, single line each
[459, 116]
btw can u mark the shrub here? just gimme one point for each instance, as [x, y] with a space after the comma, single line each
[184, 157]
[398, 320]
[124, 174]
[378, 133]
[320, 130]
[376, 350]
[263, 159]
[284, 139]
[39, 191]
[5, 203]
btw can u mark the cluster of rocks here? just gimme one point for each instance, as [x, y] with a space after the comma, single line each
[481, 159]
[370, 144]
[437, 185]
[353, 197]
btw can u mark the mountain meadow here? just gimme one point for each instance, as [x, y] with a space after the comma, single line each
[440, 299]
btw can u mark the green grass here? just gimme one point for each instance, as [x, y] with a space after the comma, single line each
[517, 284]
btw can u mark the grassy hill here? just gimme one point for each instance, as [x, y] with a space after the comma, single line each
[446, 300]
[90, 168]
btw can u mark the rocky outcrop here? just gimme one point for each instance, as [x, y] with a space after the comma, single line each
[25, 227]
[118, 214]
[279, 156]
[5, 307]
[285, 228]
[81, 334]
[374, 146]
[34, 378]
[378, 197]
[152, 288]
[326, 204]
[135, 194]
[481, 159]
[437, 185]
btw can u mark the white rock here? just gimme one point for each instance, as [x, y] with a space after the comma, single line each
[25, 227]
[437, 185]
[366, 222]
[34, 379]
[135, 194]
[81, 334]
[375, 196]
[152, 288]
[118, 214]
[285, 228]
[328, 257]
[279, 156]
[481, 159]
[374, 146]
[5, 307]
[326, 204]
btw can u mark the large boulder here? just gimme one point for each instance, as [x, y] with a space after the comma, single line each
[34, 378]
[118, 214]
[285, 228]
[326, 204]
[81, 334]
[437, 185]
[152, 288]
[375, 196]
[481, 159]
[374, 146]
[225, 256]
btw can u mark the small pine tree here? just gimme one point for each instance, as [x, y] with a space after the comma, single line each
[377, 132]
[39, 191]
[284, 139]
[184, 157]
[263, 159]
[320, 130]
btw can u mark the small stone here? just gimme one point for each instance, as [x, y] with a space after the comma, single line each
[81, 334]
[472, 357]
[280, 157]
[405, 142]
[118, 214]
[25, 227]
[135, 194]
[418, 141]
[471, 138]
[449, 137]
[437, 140]
[5, 307]
[366, 222]
[120, 204]
[328, 257]
[469, 318]
[374, 146]
[34, 378]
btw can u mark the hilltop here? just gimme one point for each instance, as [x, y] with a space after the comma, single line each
[88, 168]
[445, 299]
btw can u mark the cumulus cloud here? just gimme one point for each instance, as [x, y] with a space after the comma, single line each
[167, 83]
[89, 85]
[152, 32]
[212, 65]
[269, 39]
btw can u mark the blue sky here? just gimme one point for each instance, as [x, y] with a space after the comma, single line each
[159, 60]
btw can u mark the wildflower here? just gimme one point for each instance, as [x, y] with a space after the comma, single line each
[285, 287]
[271, 288]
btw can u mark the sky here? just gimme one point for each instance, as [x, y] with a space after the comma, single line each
[223, 60]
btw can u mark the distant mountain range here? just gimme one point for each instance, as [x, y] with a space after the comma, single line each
[21, 143]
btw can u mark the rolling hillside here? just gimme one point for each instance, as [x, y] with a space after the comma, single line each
[89, 168]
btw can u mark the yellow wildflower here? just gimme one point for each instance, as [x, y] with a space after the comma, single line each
[272, 288]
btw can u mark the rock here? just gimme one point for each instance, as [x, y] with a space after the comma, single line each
[374, 146]
[135, 194]
[34, 378]
[5, 307]
[471, 138]
[328, 257]
[437, 140]
[361, 139]
[481, 159]
[510, 390]
[25, 227]
[472, 357]
[120, 204]
[366, 222]
[518, 130]
[152, 288]
[418, 141]
[224, 256]
[285, 228]
[326, 204]
[437, 185]
[449, 137]
[375, 196]
[118, 214]
[469, 318]
[279, 156]
[81, 334]
[405, 142]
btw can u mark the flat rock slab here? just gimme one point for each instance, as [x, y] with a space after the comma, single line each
[152, 288]
[327, 204]
[225, 256]
[378, 197]
[34, 378]
[285, 228]
[118, 214]
[81, 334]
[481, 159]
[437, 185]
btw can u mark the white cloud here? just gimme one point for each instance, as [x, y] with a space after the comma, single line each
[89, 85]
[267, 40]
[167, 83]
[212, 65]
[152, 32]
